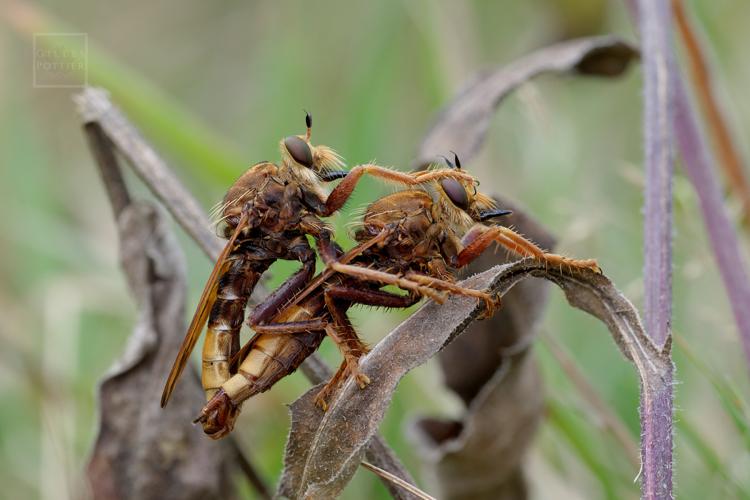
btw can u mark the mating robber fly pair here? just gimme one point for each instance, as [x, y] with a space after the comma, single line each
[415, 239]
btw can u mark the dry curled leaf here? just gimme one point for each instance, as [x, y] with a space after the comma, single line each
[490, 368]
[462, 125]
[332, 450]
[141, 450]
[481, 456]
[473, 358]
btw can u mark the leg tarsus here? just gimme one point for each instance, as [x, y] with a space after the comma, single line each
[491, 303]
[324, 395]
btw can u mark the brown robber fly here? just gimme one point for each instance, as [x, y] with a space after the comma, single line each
[414, 239]
[267, 214]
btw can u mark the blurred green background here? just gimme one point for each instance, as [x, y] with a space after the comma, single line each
[215, 87]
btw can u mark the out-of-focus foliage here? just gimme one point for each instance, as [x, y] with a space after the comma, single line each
[232, 80]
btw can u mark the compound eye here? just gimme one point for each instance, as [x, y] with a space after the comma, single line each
[455, 192]
[299, 150]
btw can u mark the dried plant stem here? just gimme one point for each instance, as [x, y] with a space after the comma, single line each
[717, 125]
[106, 128]
[397, 481]
[250, 471]
[322, 454]
[378, 450]
[119, 197]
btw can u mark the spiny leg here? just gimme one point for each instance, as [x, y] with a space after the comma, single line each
[366, 297]
[377, 298]
[490, 302]
[281, 296]
[324, 395]
[343, 334]
[329, 252]
[480, 237]
[368, 274]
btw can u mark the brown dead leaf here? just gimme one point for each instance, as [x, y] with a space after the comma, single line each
[474, 357]
[462, 125]
[490, 367]
[481, 456]
[143, 451]
[335, 447]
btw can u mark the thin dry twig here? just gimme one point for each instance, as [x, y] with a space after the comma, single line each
[321, 459]
[113, 128]
[729, 156]
[141, 451]
[398, 481]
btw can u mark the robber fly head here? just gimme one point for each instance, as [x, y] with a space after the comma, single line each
[460, 201]
[303, 158]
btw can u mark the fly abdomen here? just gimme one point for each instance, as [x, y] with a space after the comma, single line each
[272, 357]
[225, 319]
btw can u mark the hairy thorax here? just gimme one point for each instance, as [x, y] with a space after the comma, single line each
[272, 198]
[413, 240]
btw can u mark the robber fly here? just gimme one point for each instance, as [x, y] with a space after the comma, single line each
[267, 214]
[413, 239]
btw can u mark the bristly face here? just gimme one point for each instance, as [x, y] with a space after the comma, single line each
[459, 200]
[304, 159]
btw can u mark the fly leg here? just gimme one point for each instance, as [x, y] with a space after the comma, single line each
[341, 193]
[330, 252]
[291, 287]
[352, 348]
[490, 302]
[367, 274]
[480, 237]
[324, 395]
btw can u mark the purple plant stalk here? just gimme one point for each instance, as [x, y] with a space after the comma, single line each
[697, 162]
[654, 21]
[700, 167]
[662, 83]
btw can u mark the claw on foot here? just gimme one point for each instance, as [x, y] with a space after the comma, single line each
[218, 416]
[362, 380]
[352, 369]
[491, 304]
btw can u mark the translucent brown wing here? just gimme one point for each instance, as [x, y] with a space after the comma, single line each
[201, 315]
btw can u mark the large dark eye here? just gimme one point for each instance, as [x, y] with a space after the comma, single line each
[299, 150]
[456, 193]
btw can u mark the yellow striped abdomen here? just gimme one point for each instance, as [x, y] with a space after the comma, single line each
[275, 355]
[225, 319]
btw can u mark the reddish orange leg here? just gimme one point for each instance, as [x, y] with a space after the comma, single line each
[351, 349]
[324, 395]
[341, 193]
[359, 296]
[491, 303]
[480, 237]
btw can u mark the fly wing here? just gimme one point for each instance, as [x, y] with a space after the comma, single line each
[201, 314]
